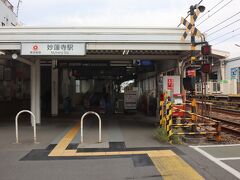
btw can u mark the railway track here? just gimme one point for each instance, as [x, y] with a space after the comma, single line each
[227, 111]
[229, 118]
[230, 126]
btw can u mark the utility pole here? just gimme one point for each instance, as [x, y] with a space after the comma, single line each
[193, 59]
[193, 46]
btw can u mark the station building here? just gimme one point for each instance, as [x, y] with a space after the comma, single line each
[53, 70]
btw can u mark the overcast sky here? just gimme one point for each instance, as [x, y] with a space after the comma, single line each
[160, 13]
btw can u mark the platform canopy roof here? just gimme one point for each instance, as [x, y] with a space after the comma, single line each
[104, 43]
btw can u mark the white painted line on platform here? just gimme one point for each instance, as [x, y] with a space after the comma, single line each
[219, 145]
[217, 161]
[230, 158]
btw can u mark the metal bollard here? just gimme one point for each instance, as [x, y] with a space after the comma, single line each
[34, 126]
[218, 130]
[100, 125]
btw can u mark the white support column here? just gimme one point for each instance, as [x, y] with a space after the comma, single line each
[54, 106]
[38, 92]
[35, 91]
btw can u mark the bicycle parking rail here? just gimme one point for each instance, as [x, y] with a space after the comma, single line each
[33, 124]
[100, 125]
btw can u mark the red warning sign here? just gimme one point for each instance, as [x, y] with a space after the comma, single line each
[170, 84]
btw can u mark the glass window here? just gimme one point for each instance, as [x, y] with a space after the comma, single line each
[78, 87]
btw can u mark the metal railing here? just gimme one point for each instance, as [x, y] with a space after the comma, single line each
[33, 124]
[100, 125]
[166, 120]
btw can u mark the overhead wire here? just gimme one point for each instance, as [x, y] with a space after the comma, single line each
[227, 39]
[224, 34]
[210, 9]
[215, 12]
[200, 2]
[224, 27]
[222, 22]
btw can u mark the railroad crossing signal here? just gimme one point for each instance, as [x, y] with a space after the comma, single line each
[194, 12]
[190, 26]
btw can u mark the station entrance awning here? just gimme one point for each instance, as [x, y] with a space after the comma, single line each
[119, 48]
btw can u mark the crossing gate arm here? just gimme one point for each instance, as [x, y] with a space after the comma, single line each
[100, 125]
[34, 125]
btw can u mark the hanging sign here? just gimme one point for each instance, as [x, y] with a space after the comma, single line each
[53, 49]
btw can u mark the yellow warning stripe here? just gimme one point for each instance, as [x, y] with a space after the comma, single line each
[65, 141]
[169, 165]
[173, 167]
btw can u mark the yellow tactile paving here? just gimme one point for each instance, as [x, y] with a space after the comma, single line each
[65, 141]
[163, 153]
[169, 165]
[172, 167]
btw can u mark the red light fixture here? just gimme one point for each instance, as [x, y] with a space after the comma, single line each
[206, 50]
[206, 68]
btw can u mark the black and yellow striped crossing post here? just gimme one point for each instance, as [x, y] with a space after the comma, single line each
[193, 16]
[190, 27]
[169, 120]
[161, 111]
[162, 108]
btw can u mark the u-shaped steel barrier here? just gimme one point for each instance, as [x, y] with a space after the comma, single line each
[34, 125]
[100, 125]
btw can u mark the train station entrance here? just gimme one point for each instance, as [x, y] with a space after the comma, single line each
[62, 71]
[59, 74]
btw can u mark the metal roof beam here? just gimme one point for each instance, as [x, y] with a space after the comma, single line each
[113, 57]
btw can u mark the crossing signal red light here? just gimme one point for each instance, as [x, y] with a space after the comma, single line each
[206, 68]
[206, 50]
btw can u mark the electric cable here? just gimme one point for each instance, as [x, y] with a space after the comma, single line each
[224, 27]
[210, 10]
[227, 39]
[200, 2]
[215, 12]
[189, 13]
[222, 22]
[224, 34]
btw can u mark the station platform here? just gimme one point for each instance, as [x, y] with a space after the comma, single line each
[128, 151]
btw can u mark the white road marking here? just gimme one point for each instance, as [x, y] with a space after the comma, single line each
[217, 161]
[219, 145]
[230, 158]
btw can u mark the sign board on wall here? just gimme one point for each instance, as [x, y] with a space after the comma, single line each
[53, 49]
[171, 83]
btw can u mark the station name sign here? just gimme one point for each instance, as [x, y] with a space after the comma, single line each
[53, 49]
